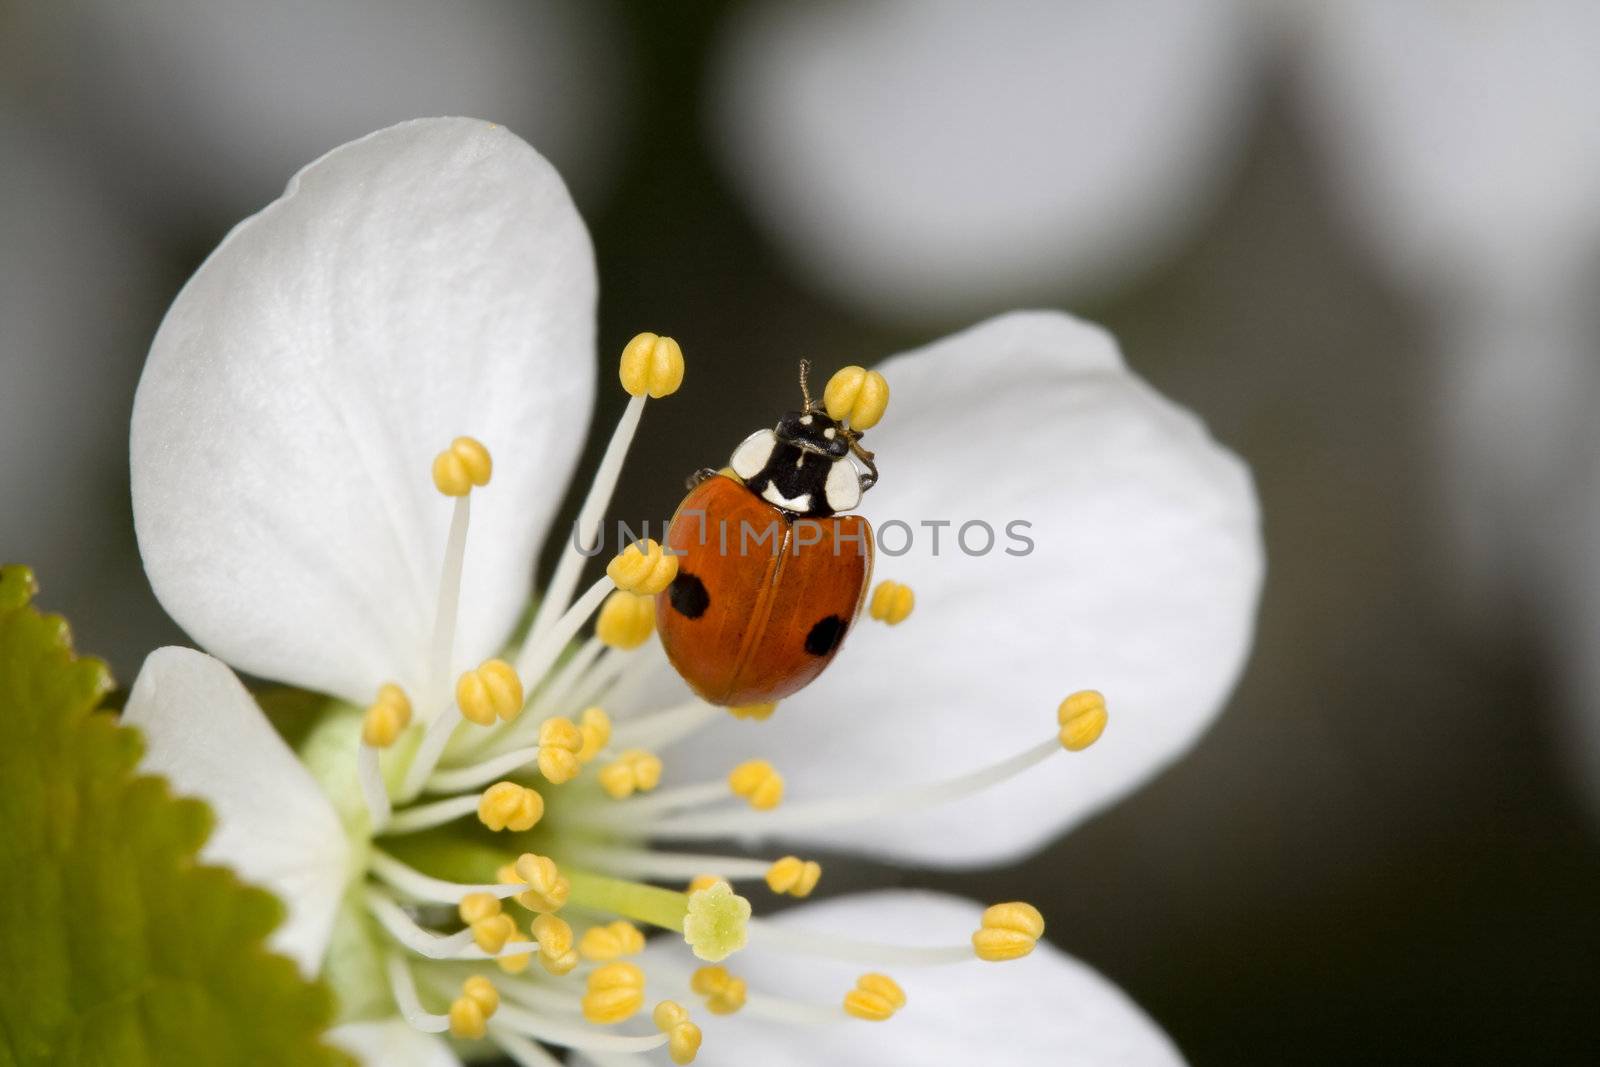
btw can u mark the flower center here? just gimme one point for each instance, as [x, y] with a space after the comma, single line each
[490, 845]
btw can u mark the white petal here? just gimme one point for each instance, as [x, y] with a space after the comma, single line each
[430, 280]
[1142, 583]
[392, 1043]
[1044, 1009]
[1466, 135]
[941, 158]
[275, 827]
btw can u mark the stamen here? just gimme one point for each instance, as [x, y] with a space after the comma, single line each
[538, 653]
[650, 366]
[426, 816]
[856, 396]
[374, 790]
[1082, 717]
[556, 953]
[387, 717]
[758, 712]
[572, 1036]
[455, 471]
[572, 673]
[611, 941]
[1009, 931]
[661, 728]
[525, 1053]
[724, 993]
[509, 806]
[892, 603]
[545, 889]
[646, 863]
[632, 771]
[717, 923]
[875, 998]
[627, 620]
[560, 741]
[703, 881]
[758, 782]
[470, 1012]
[644, 568]
[818, 945]
[400, 926]
[615, 993]
[474, 775]
[492, 691]
[793, 876]
[595, 725]
[683, 1036]
[413, 883]
[404, 989]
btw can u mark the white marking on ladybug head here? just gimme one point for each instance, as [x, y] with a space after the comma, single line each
[753, 454]
[843, 487]
[799, 504]
[805, 420]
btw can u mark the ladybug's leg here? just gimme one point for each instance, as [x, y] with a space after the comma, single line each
[699, 476]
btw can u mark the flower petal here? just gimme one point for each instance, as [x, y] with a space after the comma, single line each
[1141, 582]
[392, 1043]
[275, 827]
[430, 280]
[940, 158]
[1046, 1008]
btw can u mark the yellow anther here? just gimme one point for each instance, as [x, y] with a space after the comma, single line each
[475, 906]
[1083, 719]
[387, 717]
[724, 993]
[509, 806]
[492, 691]
[464, 464]
[612, 941]
[507, 873]
[515, 964]
[616, 992]
[1009, 931]
[683, 1036]
[626, 620]
[547, 888]
[717, 924]
[560, 741]
[703, 881]
[482, 991]
[651, 364]
[596, 727]
[758, 782]
[633, 771]
[467, 1019]
[794, 876]
[875, 998]
[556, 953]
[891, 602]
[492, 932]
[759, 712]
[643, 568]
[856, 396]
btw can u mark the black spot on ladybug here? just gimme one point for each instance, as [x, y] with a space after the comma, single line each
[825, 635]
[689, 597]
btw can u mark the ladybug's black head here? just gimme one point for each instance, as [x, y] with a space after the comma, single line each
[814, 431]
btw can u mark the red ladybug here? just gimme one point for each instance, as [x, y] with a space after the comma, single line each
[770, 575]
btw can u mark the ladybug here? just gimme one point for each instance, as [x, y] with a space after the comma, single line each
[771, 573]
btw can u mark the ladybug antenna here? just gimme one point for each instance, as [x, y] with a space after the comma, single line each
[805, 391]
[869, 479]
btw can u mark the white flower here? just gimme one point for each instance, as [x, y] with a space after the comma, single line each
[432, 281]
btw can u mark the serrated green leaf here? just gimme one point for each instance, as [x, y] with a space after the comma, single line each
[116, 945]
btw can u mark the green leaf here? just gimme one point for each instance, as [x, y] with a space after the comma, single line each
[116, 945]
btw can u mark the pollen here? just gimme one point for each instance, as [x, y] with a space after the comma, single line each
[793, 876]
[703, 881]
[651, 365]
[611, 941]
[560, 741]
[724, 992]
[387, 717]
[857, 396]
[470, 1012]
[634, 771]
[556, 953]
[1083, 719]
[1008, 931]
[515, 963]
[596, 727]
[683, 1036]
[758, 782]
[615, 993]
[758, 712]
[509, 806]
[491, 691]
[547, 888]
[493, 931]
[875, 998]
[643, 567]
[462, 466]
[476, 906]
[718, 922]
[626, 620]
[892, 603]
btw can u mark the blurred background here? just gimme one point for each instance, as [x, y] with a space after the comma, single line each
[1360, 239]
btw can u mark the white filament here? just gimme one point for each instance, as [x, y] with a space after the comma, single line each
[645, 863]
[471, 777]
[539, 653]
[426, 816]
[572, 1035]
[373, 789]
[413, 883]
[405, 998]
[794, 941]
